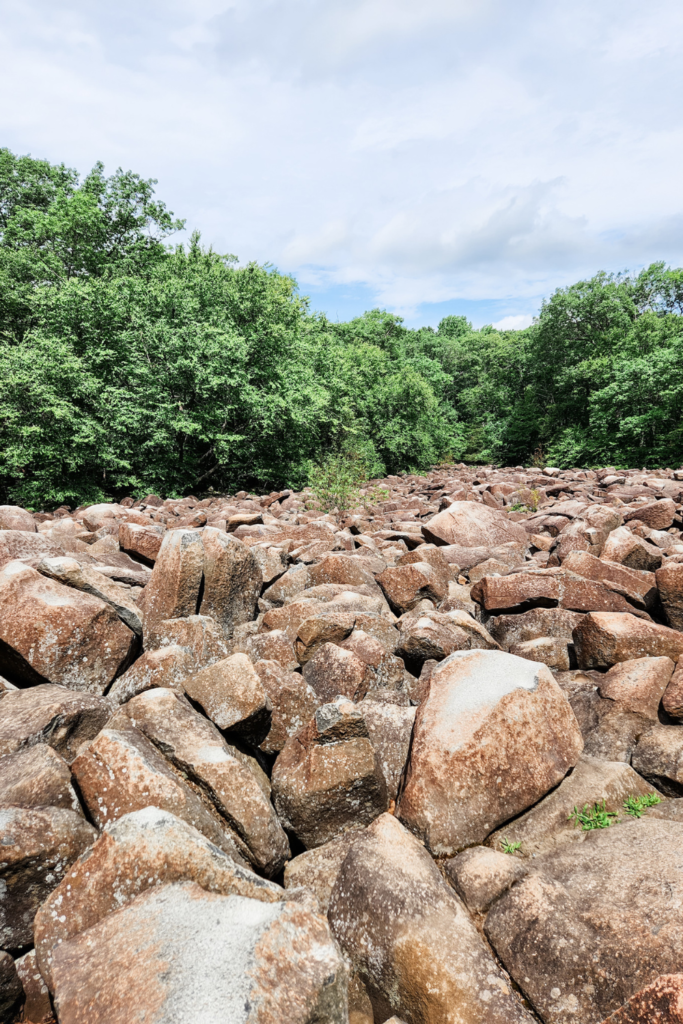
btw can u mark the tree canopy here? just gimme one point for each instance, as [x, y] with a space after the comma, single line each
[130, 365]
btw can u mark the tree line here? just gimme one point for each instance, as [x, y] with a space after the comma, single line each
[129, 364]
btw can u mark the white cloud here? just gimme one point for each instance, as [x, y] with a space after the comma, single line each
[513, 323]
[448, 149]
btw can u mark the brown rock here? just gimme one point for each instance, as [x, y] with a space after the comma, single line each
[64, 719]
[179, 953]
[166, 667]
[142, 541]
[327, 780]
[550, 823]
[146, 848]
[603, 638]
[37, 1005]
[14, 518]
[229, 781]
[37, 777]
[480, 875]
[232, 580]
[386, 671]
[325, 627]
[632, 551]
[406, 585]
[410, 939]
[670, 586]
[590, 531]
[638, 587]
[491, 567]
[232, 695]
[672, 701]
[537, 622]
[658, 1003]
[338, 569]
[272, 646]
[88, 580]
[547, 588]
[333, 671]
[470, 525]
[548, 650]
[289, 586]
[318, 869]
[613, 900]
[658, 515]
[51, 633]
[468, 771]
[38, 845]
[658, 756]
[390, 728]
[121, 771]
[292, 700]
[173, 588]
[638, 685]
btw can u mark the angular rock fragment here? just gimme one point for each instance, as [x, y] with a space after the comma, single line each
[638, 685]
[292, 700]
[613, 901]
[142, 541]
[37, 777]
[406, 585]
[658, 515]
[178, 953]
[551, 822]
[230, 781]
[82, 577]
[480, 875]
[51, 633]
[333, 671]
[272, 646]
[232, 580]
[38, 845]
[328, 779]
[532, 625]
[548, 650]
[232, 695]
[199, 635]
[604, 638]
[121, 771]
[632, 551]
[670, 586]
[672, 701]
[590, 531]
[29, 547]
[389, 718]
[166, 667]
[468, 524]
[410, 939]
[143, 849]
[468, 770]
[637, 586]
[62, 718]
[318, 869]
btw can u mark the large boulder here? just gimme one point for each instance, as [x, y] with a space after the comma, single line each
[293, 703]
[12, 517]
[37, 777]
[589, 531]
[551, 822]
[410, 939]
[167, 667]
[229, 781]
[38, 845]
[146, 848]
[670, 586]
[470, 525]
[71, 573]
[632, 551]
[62, 718]
[327, 779]
[604, 638]
[122, 771]
[547, 588]
[594, 922]
[657, 515]
[232, 695]
[50, 633]
[178, 953]
[638, 586]
[389, 719]
[26, 547]
[469, 770]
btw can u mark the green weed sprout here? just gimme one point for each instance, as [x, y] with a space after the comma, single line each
[635, 805]
[593, 817]
[509, 847]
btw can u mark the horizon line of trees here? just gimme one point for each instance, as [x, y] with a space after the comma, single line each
[129, 365]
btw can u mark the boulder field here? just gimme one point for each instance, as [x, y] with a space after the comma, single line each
[416, 762]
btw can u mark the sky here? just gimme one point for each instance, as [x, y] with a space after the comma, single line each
[430, 158]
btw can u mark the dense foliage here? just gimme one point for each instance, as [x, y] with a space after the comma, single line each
[129, 365]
